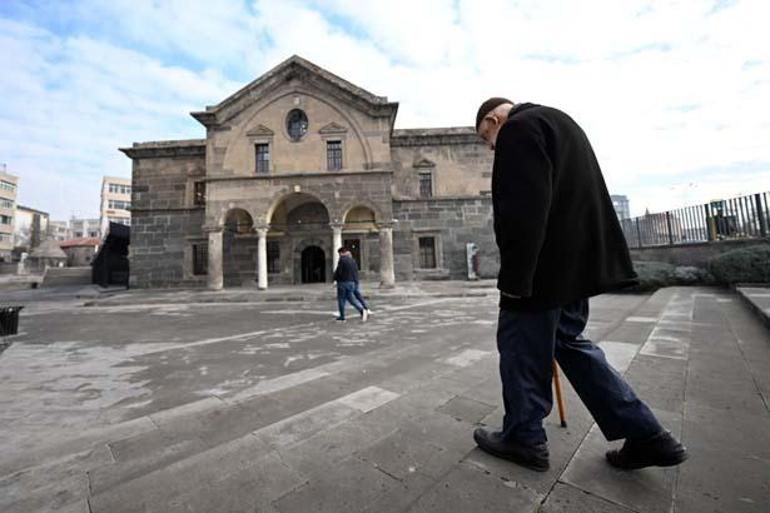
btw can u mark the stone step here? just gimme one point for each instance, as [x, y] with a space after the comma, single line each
[254, 455]
[758, 300]
[181, 434]
[61, 276]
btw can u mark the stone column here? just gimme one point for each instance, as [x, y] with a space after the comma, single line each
[215, 270]
[387, 275]
[336, 243]
[262, 258]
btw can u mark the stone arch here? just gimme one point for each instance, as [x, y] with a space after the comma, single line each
[261, 105]
[238, 220]
[300, 198]
[357, 203]
[218, 217]
[360, 217]
[307, 242]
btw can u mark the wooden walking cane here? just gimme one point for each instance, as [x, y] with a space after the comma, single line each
[559, 398]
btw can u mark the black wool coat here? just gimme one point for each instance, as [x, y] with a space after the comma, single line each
[555, 226]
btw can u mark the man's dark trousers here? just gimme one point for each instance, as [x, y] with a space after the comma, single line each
[345, 293]
[528, 341]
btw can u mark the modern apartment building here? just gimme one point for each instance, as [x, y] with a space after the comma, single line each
[8, 186]
[85, 228]
[30, 227]
[116, 202]
[59, 230]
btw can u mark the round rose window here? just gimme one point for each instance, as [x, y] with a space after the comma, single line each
[296, 124]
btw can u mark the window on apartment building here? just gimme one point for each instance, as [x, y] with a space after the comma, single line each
[117, 188]
[5, 219]
[334, 155]
[262, 151]
[427, 247]
[426, 185]
[200, 253]
[6, 203]
[78, 235]
[199, 194]
[7, 186]
[273, 256]
[118, 204]
[354, 245]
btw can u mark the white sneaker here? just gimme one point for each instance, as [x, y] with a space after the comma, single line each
[369, 311]
[364, 315]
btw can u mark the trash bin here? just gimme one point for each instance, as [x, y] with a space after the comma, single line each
[9, 320]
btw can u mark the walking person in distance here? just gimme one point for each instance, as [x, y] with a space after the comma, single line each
[346, 277]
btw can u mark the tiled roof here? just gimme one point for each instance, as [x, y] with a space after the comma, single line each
[82, 241]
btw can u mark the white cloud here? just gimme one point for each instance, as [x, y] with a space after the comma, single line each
[73, 101]
[666, 90]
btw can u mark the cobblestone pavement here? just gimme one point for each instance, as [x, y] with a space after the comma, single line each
[164, 403]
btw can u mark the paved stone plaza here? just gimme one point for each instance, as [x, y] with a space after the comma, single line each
[247, 401]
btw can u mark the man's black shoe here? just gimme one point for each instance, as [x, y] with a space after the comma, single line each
[534, 457]
[661, 450]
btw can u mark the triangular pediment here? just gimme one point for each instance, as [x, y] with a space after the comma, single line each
[260, 131]
[297, 72]
[423, 162]
[333, 128]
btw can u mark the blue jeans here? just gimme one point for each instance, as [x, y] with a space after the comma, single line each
[528, 342]
[346, 293]
[360, 298]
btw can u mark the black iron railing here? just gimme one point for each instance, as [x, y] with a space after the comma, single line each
[744, 217]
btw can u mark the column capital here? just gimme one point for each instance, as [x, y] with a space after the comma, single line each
[385, 225]
[337, 226]
[262, 230]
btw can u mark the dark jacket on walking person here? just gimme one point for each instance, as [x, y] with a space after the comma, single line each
[347, 269]
[554, 221]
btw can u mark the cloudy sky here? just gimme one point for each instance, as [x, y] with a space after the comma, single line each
[674, 95]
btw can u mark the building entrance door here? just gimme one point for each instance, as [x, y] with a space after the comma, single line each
[313, 265]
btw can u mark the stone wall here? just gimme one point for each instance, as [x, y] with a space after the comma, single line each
[459, 163]
[164, 222]
[454, 222]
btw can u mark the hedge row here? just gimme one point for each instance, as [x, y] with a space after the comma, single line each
[746, 265]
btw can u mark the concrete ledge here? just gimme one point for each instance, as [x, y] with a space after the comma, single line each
[757, 298]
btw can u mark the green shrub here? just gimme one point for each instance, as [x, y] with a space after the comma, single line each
[655, 275]
[746, 265]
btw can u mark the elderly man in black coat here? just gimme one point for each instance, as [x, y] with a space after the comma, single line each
[560, 243]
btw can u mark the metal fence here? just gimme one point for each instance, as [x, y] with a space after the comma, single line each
[744, 217]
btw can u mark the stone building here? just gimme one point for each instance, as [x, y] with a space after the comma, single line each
[296, 164]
